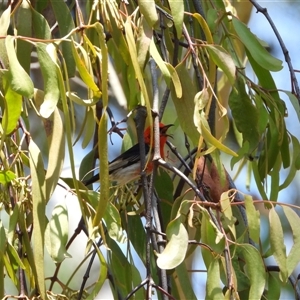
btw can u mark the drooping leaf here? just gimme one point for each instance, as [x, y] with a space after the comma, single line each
[293, 258]
[253, 218]
[185, 106]
[258, 52]
[209, 138]
[47, 60]
[255, 270]
[244, 113]
[148, 9]
[295, 103]
[41, 27]
[145, 101]
[213, 283]
[12, 106]
[273, 286]
[228, 220]
[56, 234]
[66, 25]
[24, 28]
[181, 283]
[20, 80]
[277, 244]
[113, 223]
[177, 9]
[223, 60]
[175, 251]
[294, 164]
[84, 69]
[4, 25]
[39, 216]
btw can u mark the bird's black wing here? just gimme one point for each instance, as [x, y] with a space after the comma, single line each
[126, 159]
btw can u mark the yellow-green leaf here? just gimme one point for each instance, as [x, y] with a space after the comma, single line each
[177, 9]
[253, 218]
[175, 251]
[277, 244]
[56, 234]
[39, 213]
[148, 9]
[13, 106]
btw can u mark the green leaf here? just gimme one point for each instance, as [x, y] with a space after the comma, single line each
[211, 236]
[47, 60]
[56, 234]
[213, 283]
[4, 25]
[255, 270]
[258, 52]
[113, 223]
[39, 210]
[3, 240]
[6, 176]
[101, 279]
[13, 106]
[223, 60]
[148, 9]
[40, 26]
[88, 127]
[181, 283]
[175, 80]
[24, 28]
[164, 185]
[136, 235]
[175, 251]
[253, 217]
[184, 106]
[274, 287]
[295, 103]
[104, 175]
[293, 258]
[295, 164]
[66, 25]
[244, 113]
[277, 244]
[177, 9]
[20, 80]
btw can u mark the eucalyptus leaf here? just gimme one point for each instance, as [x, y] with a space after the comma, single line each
[255, 270]
[56, 234]
[258, 52]
[48, 68]
[175, 251]
[293, 257]
[148, 9]
[177, 9]
[20, 81]
[277, 244]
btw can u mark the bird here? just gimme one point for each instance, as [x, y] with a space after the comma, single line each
[127, 167]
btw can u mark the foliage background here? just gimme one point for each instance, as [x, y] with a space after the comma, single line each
[39, 140]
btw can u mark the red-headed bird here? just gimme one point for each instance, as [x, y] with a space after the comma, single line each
[127, 167]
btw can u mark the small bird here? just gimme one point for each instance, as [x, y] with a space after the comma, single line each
[127, 167]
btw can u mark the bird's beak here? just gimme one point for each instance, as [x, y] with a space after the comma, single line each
[164, 129]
